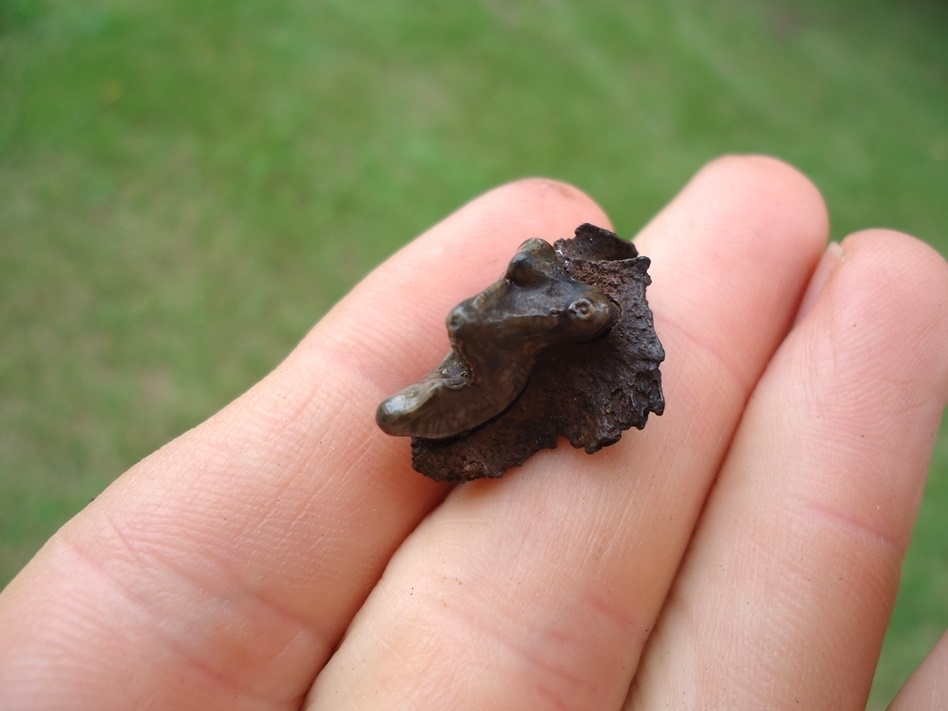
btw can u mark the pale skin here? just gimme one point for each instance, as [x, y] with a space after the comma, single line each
[743, 551]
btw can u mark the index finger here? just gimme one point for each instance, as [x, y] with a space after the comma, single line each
[232, 559]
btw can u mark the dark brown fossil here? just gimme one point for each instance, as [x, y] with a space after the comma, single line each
[563, 344]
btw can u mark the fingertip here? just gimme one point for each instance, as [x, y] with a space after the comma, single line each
[485, 232]
[392, 323]
[540, 199]
[771, 185]
[752, 213]
[732, 255]
[889, 277]
[900, 257]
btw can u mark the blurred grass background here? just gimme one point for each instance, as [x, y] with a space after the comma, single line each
[186, 186]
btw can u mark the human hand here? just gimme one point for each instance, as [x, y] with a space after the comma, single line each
[743, 551]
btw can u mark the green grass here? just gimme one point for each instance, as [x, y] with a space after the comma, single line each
[185, 187]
